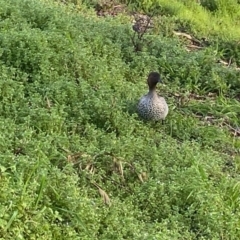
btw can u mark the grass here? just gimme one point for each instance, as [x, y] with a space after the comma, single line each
[78, 163]
[196, 16]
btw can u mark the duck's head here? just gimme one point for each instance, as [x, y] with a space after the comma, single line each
[153, 79]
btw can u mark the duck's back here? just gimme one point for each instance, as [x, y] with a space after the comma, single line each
[152, 107]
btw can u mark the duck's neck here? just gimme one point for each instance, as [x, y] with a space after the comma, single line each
[152, 88]
[152, 92]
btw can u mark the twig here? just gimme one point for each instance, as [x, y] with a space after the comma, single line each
[103, 194]
[183, 34]
[230, 61]
[236, 131]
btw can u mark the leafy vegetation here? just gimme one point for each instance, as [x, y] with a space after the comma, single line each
[78, 163]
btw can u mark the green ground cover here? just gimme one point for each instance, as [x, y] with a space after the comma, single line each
[71, 138]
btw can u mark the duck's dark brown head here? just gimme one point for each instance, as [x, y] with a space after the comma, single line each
[153, 79]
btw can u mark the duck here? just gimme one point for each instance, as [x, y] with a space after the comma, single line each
[152, 106]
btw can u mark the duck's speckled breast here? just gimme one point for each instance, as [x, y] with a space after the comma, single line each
[152, 107]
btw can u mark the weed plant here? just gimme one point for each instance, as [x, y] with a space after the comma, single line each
[71, 138]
